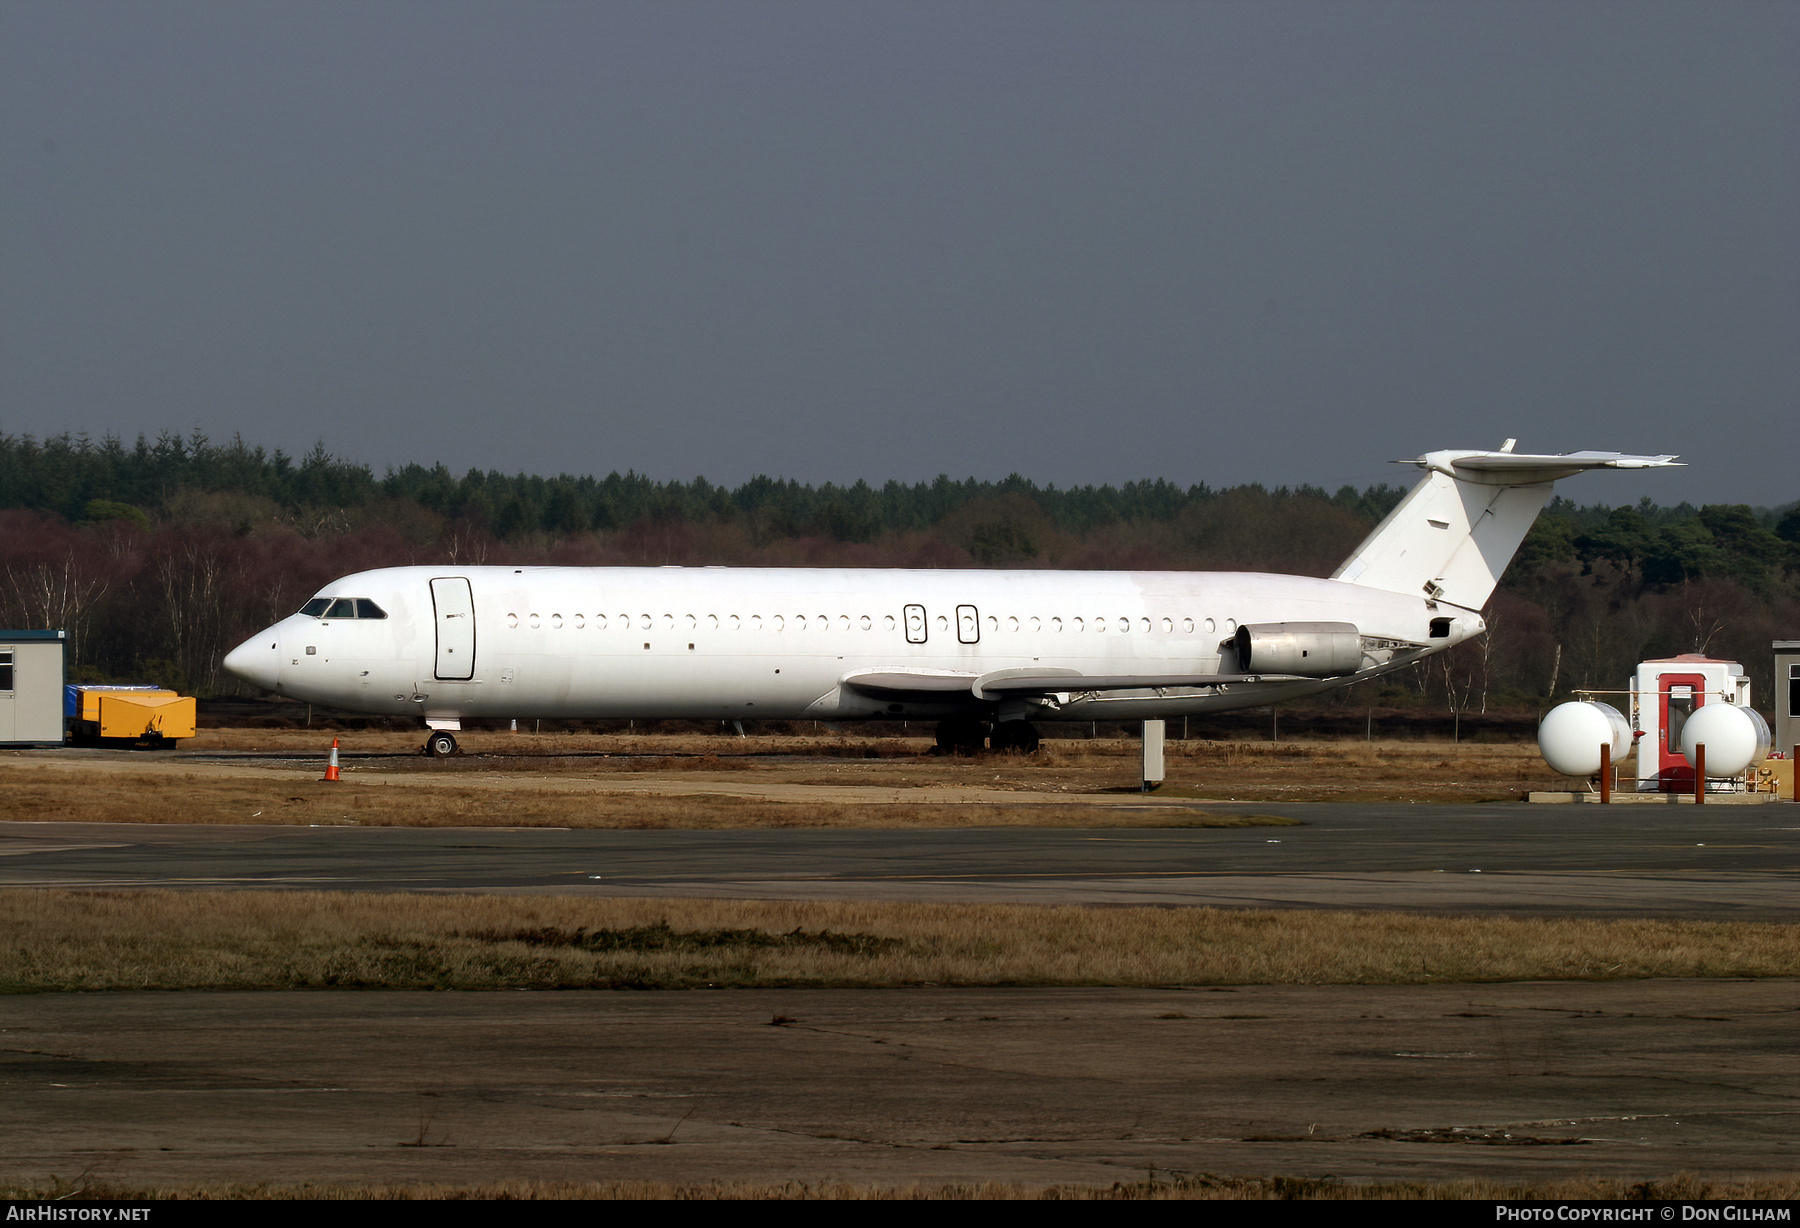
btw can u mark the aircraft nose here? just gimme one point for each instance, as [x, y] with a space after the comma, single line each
[257, 660]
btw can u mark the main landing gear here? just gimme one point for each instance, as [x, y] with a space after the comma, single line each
[962, 735]
[441, 744]
[1021, 736]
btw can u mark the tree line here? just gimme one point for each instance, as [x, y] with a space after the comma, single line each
[159, 556]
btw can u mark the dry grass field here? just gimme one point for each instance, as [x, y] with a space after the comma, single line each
[61, 940]
[655, 781]
[1244, 771]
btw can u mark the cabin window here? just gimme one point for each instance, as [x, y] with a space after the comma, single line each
[1169, 626]
[556, 622]
[534, 622]
[512, 620]
[1056, 624]
[867, 624]
[316, 607]
[580, 621]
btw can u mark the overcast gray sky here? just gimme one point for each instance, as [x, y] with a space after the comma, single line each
[1086, 242]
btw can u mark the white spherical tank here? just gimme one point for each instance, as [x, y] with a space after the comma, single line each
[1571, 735]
[1734, 738]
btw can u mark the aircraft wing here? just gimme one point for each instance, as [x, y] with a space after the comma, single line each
[906, 680]
[1052, 680]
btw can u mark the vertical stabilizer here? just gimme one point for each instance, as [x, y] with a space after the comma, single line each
[1453, 534]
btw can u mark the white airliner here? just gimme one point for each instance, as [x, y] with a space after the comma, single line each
[975, 650]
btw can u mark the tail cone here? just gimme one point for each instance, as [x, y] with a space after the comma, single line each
[331, 768]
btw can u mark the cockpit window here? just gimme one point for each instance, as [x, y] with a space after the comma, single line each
[343, 607]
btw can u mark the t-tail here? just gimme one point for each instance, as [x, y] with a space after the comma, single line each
[1454, 533]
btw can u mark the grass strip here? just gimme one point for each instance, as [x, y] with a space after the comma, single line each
[42, 796]
[62, 940]
[1683, 1187]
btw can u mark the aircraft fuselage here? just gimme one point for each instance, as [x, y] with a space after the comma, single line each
[777, 643]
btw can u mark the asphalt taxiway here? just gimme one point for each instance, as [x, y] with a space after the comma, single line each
[1515, 1082]
[1721, 862]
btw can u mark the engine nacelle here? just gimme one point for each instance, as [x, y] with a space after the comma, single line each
[1312, 650]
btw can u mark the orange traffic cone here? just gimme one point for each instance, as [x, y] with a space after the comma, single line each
[331, 769]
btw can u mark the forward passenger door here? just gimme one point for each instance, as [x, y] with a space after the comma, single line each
[454, 618]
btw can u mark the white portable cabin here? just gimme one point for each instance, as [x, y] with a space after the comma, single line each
[1664, 694]
[31, 687]
[1787, 695]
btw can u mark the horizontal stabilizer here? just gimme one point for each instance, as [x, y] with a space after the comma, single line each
[1517, 467]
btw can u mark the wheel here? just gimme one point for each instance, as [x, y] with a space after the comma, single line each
[1021, 736]
[440, 745]
[960, 735]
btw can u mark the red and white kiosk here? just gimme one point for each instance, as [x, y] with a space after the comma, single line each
[1664, 694]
